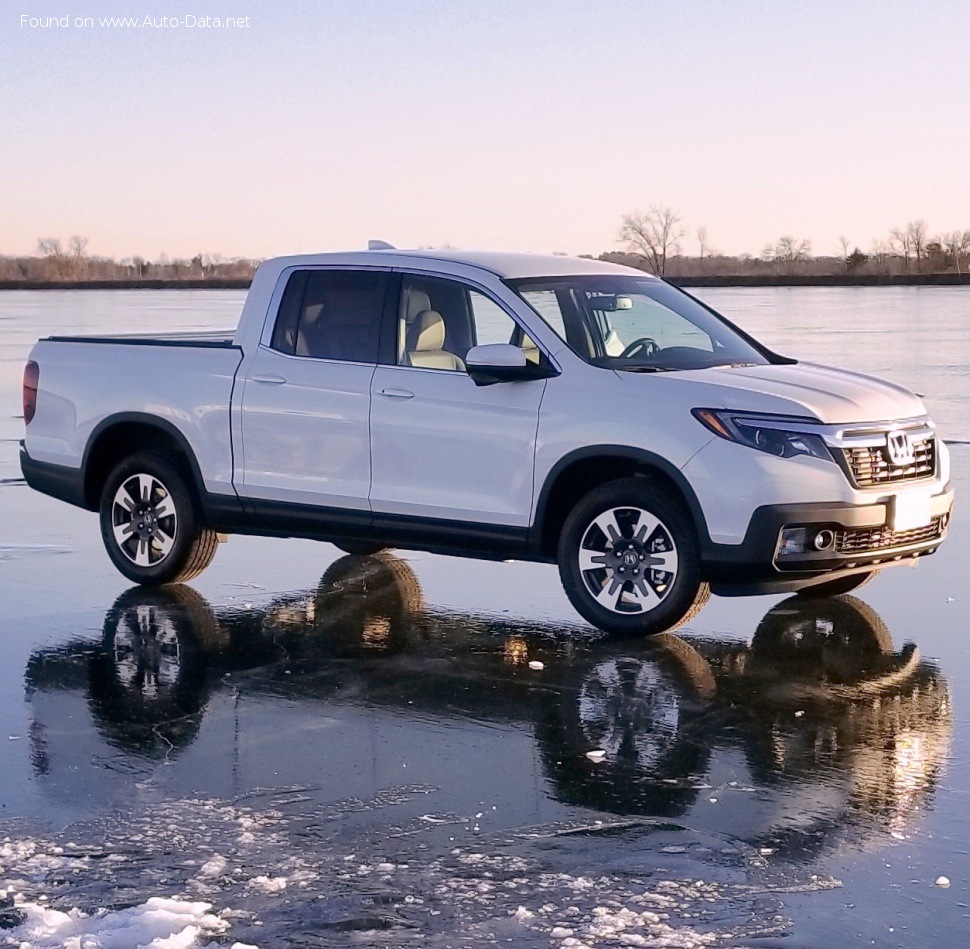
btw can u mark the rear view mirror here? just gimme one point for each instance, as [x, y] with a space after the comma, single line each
[610, 304]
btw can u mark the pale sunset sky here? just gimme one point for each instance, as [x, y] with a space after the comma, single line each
[501, 125]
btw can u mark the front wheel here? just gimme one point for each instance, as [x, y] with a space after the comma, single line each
[628, 559]
[149, 523]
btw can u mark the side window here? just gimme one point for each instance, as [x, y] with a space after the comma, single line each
[546, 304]
[440, 320]
[492, 323]
[331, 314]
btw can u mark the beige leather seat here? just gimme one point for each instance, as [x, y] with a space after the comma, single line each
[415, 301]
[425, 343]
[530, 349]
[311, 329]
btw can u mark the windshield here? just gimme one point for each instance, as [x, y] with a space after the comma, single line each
[637, 324]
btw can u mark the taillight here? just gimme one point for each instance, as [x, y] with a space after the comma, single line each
[31, 378]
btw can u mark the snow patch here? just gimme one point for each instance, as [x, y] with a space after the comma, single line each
[159, 923]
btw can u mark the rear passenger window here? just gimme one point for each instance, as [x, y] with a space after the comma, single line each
[331, 314]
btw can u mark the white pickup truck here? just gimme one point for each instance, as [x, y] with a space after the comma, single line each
[492, 406]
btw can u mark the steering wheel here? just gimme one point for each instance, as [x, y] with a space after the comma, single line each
[648, 345]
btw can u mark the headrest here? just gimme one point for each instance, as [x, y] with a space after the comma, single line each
[418, 301]
[312, 313]
[427, 332]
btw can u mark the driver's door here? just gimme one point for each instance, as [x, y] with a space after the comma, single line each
[442, 447]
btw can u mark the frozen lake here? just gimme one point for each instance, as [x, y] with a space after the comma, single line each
[332, 750]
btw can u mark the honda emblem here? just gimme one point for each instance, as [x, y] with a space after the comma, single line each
[899, 447]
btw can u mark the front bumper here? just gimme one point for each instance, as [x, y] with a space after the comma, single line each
[862, 540]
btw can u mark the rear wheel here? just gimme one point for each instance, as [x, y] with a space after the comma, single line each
[149, 523]
[628, 559]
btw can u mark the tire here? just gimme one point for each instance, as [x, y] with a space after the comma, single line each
[657, 532]
[837, 587]
[150, 525]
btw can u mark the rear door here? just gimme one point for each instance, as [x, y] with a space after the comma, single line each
[442, 447]
[306, 401]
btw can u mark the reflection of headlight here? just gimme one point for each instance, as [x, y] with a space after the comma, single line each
[776, 435]
[515, 651]
[910, 762]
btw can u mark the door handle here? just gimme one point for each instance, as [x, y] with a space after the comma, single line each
[269, 380]
[398, 393]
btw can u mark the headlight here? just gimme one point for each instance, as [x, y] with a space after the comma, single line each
[777, 435]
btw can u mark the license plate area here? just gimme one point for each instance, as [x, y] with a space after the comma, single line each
[911, 510]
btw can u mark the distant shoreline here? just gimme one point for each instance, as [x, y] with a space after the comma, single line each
[713, 280]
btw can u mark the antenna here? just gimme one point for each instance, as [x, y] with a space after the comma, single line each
[380, 245]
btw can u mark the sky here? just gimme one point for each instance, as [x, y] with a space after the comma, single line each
[532, 126]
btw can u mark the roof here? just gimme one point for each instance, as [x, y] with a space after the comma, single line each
[507, 265]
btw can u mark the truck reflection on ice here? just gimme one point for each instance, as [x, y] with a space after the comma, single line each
[817, 724]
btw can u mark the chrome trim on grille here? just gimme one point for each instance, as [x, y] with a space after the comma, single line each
[870, 465]
[872, 539]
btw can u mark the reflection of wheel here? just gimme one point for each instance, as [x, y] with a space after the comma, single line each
[369, 599]
[628, 559]
[640, 711]
[148, 679]
[837, 587]
[629, 710]
[849, 730]
[359, 548]
[840, 636]
[150, 527]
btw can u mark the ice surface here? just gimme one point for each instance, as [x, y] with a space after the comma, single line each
[194, 882]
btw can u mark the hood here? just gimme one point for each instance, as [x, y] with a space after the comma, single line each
[833, 396]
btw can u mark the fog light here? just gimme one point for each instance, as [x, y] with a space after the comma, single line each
[794, 540]
[824, 540]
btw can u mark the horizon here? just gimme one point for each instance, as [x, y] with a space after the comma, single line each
[315, 129]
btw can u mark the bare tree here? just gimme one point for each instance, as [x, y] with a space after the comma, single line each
[844, 247]
[56, 262]
[49, 247]
[75, 255]
[956, 244]
[901, 243]
[787, 252]
[655, 235]
[916, 230]
[702, 240]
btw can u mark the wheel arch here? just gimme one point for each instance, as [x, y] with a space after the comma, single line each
[578, 472]
[119, 436]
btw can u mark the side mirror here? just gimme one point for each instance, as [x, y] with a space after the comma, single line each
[501, 362]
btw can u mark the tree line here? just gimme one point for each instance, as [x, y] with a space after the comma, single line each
[653, 241]
[56, 262]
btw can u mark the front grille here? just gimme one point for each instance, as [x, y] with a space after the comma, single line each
[870, 466]
[867, 539]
